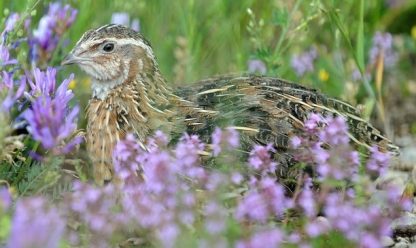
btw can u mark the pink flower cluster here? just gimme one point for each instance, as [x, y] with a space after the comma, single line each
[168, 197]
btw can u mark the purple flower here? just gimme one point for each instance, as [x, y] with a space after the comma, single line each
[275, 195]
[167, 235]
[123, 18]
[5, 56]
[369, 240]
[188, 160]
[266, 199]
[254, 207]
[163, 197]
[65, 15]
[96, 209]
[236, 178]
[335, 132]
[12, 96]
[317, 227]
[157, 142]
[227, 139]
[11, 22]
[356, 75]
[50, 122]
[215, 218]
[41, 225]
[339, 161]
[44, 34]
[126, 160]
[187, 152]
[159, 172]
[50, 119]
[256, 65]
[303, 63]
[383, 44]
[135, 25]
[261, 160]
[51, 28]
[44, 84]
[265, 238]
[295, 142]
[214, 181]
[307, 199]
[361, 222]
[313, 121]
[5, 198]
[378, 162]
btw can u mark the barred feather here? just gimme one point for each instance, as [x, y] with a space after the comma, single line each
[275, 108]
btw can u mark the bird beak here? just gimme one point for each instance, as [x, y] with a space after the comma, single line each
[70, 59]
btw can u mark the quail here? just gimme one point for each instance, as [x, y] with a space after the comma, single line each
[130, 95]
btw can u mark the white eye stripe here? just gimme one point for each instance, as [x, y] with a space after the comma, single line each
[139, 43]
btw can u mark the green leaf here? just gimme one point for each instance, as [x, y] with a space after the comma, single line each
[360, 39]
[280, 17]
[5, 225]
[358, 56]
[334, 18]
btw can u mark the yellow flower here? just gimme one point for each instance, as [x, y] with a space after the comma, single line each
[72, 84]
[323, 75]
[413, 32]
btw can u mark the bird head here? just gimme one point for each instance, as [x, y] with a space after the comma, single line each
[111, 55]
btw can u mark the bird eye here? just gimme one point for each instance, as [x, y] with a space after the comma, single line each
[108, 47]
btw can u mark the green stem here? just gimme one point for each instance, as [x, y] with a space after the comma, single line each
[285, 29]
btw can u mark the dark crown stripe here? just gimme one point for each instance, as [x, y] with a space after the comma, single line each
[113, 31]
[106, 27]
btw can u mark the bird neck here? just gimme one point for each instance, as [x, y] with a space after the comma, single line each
[153, 89]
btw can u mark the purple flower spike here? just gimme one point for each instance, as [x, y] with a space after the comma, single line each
[44, 84]
[12, 96]
[44, 34]
[307, 199]
[42, 225]
[335, 132]
[50, 122]
[303, 63]
[383, 43]
[50, 119]
[11, 22]
[267, 238]
[339, 161]
[378, 162]
[5, 57]
[261, 160]
[264, 200]
[227, 139]
[5, 198]
[50, 30]
[256, 65]
[135, 25]
[123, 18]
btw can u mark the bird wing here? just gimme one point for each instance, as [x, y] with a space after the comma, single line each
[269, 110]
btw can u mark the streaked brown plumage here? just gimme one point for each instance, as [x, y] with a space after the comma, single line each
[131, 95]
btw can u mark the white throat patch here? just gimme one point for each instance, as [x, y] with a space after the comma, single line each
[100, 89]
